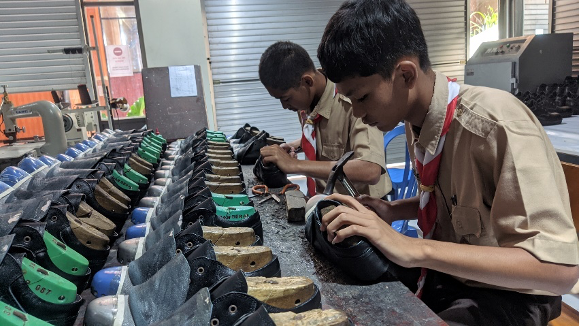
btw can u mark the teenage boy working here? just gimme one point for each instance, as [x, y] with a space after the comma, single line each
[499, 243]
[330, 130]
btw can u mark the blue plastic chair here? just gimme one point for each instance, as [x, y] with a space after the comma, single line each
[403, 182]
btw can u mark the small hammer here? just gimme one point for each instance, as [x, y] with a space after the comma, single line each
[336, 174]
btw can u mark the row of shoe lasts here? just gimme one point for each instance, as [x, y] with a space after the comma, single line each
[551, 103]
[59, 217]
[195, 255]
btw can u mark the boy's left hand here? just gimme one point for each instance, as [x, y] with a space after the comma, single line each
[279, 157]
[353, 219]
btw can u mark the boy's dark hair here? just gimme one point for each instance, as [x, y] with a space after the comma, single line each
[367, 37]
[282, 65]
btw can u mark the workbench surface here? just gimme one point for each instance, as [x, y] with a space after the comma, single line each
[384, 303]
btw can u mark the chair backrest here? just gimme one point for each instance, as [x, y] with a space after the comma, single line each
[408, 187]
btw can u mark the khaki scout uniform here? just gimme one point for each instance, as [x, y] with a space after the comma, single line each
[339, 132]
[500, 181]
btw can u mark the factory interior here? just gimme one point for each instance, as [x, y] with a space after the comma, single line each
[173, 162]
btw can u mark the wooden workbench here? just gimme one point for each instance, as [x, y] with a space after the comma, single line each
[384, 303]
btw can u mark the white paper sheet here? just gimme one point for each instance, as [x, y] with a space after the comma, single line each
[182, 81]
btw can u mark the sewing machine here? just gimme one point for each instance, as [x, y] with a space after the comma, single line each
[54, 140]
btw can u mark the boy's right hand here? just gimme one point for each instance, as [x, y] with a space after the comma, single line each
[380, 207]
[289, 149]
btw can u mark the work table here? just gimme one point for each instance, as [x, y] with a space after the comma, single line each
[384, 303]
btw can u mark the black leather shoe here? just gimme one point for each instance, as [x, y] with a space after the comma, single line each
[28, 240]
[249, 152]
[14, 291]
[270, 175]
[147, 265]
[350, 254]
[206, 271]
[59, 227]
[96, 197]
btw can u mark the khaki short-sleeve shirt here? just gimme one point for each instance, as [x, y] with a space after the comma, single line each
[339, 132]
[500, 181]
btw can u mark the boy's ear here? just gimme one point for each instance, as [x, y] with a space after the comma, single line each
[308, 79]
[408, 71]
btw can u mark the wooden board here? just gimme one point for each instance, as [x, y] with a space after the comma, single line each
[175, 117]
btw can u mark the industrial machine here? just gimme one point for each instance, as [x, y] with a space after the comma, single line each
[522, 63]
[55, 138]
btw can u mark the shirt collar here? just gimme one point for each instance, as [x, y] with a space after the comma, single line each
[434, 120]
[324, 106]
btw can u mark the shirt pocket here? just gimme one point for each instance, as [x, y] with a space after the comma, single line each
[466, 221]
[332, 151]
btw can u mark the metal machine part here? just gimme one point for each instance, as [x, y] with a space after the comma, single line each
[55, 139]
[521, 64]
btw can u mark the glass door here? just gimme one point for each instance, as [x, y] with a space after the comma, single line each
[117, 39]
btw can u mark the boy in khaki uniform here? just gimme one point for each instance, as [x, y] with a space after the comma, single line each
[288, 73]
[500, 246]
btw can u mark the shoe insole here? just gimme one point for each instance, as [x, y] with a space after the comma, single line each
[86, 234]
[108, 202]
[47, 285]
[316, 317]
[142, 161]
[223, 179]
[220, 156]
[247, 258]
[225, 171]
[281, 292]
[224, 163]
[232, 236]
[225, 188]
[14, 317]
[218, 152]
[109, 188]
[218, 145]
[93, 218]
[139, 168]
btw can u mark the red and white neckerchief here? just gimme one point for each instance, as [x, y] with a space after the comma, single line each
[427, 165]
[309, 144]
[309, 141]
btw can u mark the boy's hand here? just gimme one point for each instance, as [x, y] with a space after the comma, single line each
[279, 157]
[353, 219]
[289, 149]
[380, 207]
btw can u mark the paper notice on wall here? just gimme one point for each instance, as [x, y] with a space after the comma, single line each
[119, 60]
[182, 81]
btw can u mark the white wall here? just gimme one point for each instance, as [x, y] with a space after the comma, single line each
[174, 34]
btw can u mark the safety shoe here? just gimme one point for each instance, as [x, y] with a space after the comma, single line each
[38, 245]
[17, 273]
